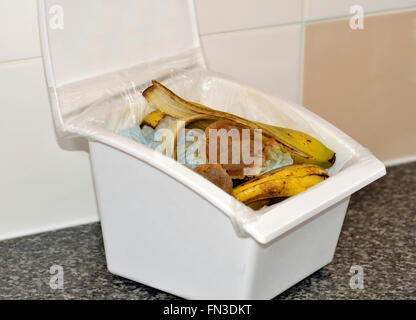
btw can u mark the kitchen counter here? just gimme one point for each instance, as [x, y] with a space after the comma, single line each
[379, 235]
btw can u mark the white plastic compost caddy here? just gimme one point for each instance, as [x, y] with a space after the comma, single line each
[164, 225]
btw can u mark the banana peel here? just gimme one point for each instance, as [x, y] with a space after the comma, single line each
[201, 124]
[153, 118]
[176, 126]
[283, 182]
[302, 147]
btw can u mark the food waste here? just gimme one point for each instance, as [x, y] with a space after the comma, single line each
[259, 164]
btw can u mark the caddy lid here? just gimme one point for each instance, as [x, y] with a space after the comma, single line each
[86, 39]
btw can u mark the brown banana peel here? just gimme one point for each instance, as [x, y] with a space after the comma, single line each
[283, 182]
[302, 147]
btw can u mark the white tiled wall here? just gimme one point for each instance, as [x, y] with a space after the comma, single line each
[42, 187]
[264, 58]
[18, 30]
[256, 42]
[228, 15]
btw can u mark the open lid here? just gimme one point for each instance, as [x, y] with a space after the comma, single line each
[86, 39]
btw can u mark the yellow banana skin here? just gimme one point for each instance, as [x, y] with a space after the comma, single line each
[153, 118]
[302, 147]
[283, 182]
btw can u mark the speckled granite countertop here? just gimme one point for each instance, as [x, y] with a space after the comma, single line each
[379, 234]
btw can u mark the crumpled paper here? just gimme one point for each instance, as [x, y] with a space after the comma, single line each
[191, 155]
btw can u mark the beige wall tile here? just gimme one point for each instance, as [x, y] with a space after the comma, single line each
[364, 81]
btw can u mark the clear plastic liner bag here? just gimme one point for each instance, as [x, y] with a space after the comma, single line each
[111, 107]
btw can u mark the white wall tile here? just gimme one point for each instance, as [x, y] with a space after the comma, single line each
[267, 59]
[227, 15]
[322, 9]
[19, 37]
[41, 185]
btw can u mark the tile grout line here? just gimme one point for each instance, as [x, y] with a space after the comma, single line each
[368, 14]
[301, 54]
[20, 61]
[259, 28]
[305, 22]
